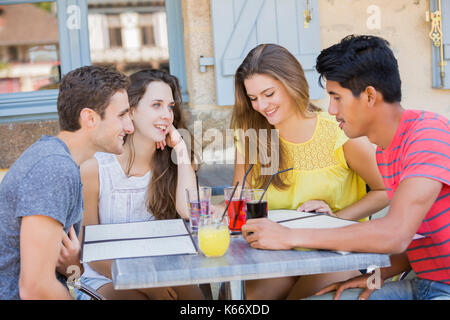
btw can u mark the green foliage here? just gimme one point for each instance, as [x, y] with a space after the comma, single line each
[47, 6]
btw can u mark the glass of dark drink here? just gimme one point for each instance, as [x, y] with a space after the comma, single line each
[256, 207]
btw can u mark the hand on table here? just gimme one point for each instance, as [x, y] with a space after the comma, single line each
[316, 205]
[266, 234]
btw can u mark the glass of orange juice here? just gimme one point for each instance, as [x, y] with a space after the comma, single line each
[213, 235]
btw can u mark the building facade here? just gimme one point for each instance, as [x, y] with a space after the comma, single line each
[203, 41]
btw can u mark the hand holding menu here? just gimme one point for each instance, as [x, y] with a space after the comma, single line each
[311, 220]
[307, 220]
[139, 239]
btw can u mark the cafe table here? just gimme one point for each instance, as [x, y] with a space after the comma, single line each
[240, 263]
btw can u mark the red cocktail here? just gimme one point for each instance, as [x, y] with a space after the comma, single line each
[237, 214]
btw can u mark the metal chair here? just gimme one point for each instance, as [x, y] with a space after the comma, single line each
[77, 284]
[91, 292]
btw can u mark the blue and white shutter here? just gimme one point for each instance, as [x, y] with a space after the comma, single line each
[240, 25]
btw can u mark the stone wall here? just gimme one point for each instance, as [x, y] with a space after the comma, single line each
[403, 24]
[16, 137]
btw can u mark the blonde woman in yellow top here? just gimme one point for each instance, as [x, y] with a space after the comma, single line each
[330, 171]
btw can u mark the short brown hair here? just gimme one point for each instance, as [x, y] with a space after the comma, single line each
[87, 87]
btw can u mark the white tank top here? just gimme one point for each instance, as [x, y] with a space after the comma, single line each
[121, 199]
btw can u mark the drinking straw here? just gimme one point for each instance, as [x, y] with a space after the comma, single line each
[245, 178]
[198, 189]
[240, 197]
[270, 180]
[229, 201]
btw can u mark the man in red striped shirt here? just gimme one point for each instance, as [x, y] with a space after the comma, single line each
[420, 148]
[363, 81]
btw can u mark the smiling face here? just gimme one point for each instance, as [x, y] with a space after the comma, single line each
[116, 123]
[351, 112]
[270, 98]
[153, 114]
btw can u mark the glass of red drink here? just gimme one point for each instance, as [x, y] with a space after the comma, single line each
[237, 210]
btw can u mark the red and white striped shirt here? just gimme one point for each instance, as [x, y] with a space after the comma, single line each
[421, 148]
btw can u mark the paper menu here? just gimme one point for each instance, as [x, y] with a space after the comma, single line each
[147, 229]
[284, 215]
[140, 239]
[138, 248]
[308, 220]
[296, 219]
[311, 220]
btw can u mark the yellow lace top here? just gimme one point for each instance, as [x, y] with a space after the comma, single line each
[320, 170]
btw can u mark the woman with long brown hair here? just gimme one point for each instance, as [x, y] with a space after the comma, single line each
[330, 171]
[145, 182]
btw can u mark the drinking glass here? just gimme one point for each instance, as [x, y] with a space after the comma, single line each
[199, 205]
[213, 235]
[237, 209]
[256, 208]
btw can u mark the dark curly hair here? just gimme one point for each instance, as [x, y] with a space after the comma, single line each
[87, 87]
[361, 61]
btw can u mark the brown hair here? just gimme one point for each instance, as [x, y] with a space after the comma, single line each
[161, 195]
[277, 62]
[87, 87]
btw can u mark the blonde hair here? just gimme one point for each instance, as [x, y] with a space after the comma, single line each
[277, 62]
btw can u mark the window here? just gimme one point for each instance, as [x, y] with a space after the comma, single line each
[115, 37]
[33, 58]
[75, 47]
[30, 46]
[13, 55]
[133, 35]
[148, 37]
[137, 34]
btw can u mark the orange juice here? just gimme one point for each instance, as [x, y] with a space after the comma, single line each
[214, 241]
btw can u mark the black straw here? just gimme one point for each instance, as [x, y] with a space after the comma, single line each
[270, 180]
[243, 183]
[198, 189]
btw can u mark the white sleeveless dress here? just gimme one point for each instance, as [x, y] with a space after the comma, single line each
[121, 199]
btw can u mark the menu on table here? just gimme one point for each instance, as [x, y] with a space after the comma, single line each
[315, 220]
[312, 220]
[137, 239]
